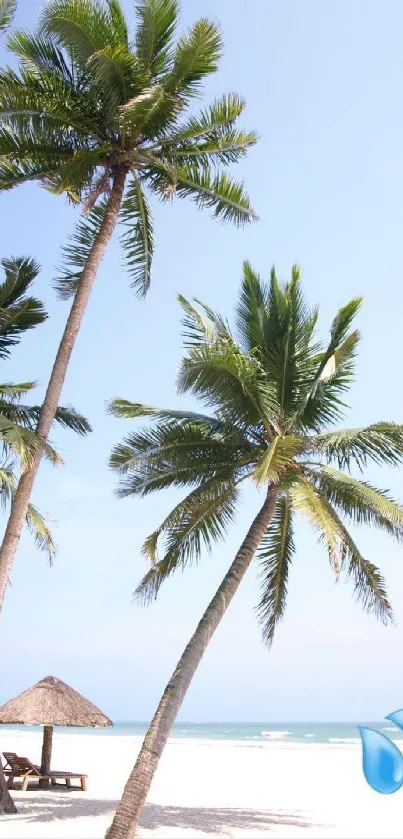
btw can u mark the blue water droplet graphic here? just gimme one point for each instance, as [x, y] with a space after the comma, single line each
[382, 761]
[396, 717]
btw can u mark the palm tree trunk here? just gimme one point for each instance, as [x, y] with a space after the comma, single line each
[6, 802]
[46, 755]
[135, 792]
[22, 496]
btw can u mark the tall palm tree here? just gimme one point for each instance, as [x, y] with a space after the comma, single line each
[19, 443]
[99, 116]
[273, 391]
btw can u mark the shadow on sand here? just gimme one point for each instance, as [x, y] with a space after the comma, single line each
[220, 821]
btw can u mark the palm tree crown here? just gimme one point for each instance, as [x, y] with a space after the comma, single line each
[273, 390]
[87, 101]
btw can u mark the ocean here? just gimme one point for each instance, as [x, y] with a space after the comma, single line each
[263, 732]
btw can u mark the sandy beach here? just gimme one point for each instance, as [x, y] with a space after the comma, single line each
[207, 789]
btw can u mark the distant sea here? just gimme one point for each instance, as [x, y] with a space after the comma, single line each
[263, 732]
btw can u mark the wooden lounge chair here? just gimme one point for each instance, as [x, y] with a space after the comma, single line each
[9, 757]
[21, 767]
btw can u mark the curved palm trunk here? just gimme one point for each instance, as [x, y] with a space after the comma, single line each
[22, 496]
[6, 802]
[135, 792]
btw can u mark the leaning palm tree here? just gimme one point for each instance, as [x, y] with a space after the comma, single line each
[19, 443]
[100, 117]
[273, 391]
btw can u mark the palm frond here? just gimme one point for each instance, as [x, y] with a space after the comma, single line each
[229, 382]
[41, 532]
[334, 368]
[27, 416]
[205, 327]
[218, 192]
[381, 443]
[81, 28]
[358, 501]
[369, 585]
[77, 251]
[252, 311]
[18, 312]
[123, 409]
[12, 392]
[275, 556]
[112, 70]
[8, 9]
[138, 238]
[278, 459]
[137, 112]
[23, 443]
[311, 505]
[178, 454]
[196, 56]
[212, 121]
[8, 485]
[157, 21]
[38, 55]
[118, 21]
[13, 173]
[230, 147]
[70, 419]
[196, 522]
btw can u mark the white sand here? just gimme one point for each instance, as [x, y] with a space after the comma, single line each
[207, 789]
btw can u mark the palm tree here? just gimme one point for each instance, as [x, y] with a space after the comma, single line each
[20, 312]
[273, 391]
[99, 117]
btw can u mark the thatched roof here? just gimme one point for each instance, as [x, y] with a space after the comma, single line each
[52, 702]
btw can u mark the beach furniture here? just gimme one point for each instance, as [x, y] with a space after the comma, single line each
[51, 702]
[8, 756]
[22, 767]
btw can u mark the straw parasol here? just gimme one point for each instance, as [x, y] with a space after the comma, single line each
[51, 702]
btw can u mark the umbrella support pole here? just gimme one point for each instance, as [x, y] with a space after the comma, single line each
[46, 755]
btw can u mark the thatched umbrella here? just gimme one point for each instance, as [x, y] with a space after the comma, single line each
[51, 702]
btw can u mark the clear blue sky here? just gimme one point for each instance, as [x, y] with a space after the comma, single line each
[323, 84]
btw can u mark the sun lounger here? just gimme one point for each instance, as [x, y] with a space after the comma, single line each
[21, 767]
[9, 758]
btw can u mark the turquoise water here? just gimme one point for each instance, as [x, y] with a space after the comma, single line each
[254, 732]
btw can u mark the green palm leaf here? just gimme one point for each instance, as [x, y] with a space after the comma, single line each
[202, 327]
[381, 443]
[312, 506]
[177, 454]
[360, 502]
[369, 585]
[275, 556]
[81, 28]
[196, 56]
[18, 312]
[41, 532]
[157, 21]
[212, 121]
[198, 521]
[8, 9]
[217, 192]
[77, 251]
[137, 241]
